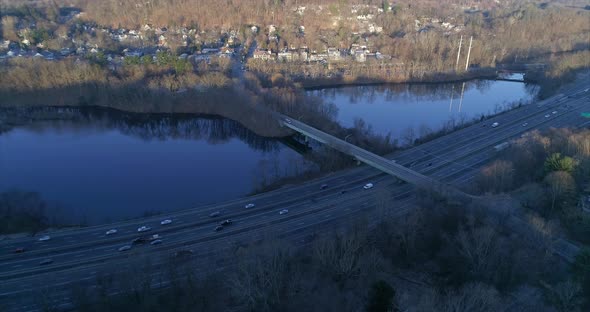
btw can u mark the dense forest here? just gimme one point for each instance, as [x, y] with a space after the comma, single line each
[439, 257]
[550, 174]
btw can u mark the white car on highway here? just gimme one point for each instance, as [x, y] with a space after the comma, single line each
[525, 124]
[44, 238]
[46, 262]
[284, 211]
[368, 186]
[144, 229]
[111, 232]
[156, 242]
[547, 116]
[554, 112]
[250, 205]
[167, 221]
[125, 248]
[495, 124]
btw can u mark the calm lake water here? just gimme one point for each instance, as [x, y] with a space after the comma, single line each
[104, 167]
[100, 165]
[396, 108]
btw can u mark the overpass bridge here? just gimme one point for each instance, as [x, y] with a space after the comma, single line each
[385, 165]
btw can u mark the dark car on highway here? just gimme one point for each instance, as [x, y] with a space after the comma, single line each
[218, 228]
[140, 240]
[183, 253]
[19, 250]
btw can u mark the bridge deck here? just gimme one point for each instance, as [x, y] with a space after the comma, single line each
[373, 160]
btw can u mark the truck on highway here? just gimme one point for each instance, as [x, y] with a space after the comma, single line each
[501, 146]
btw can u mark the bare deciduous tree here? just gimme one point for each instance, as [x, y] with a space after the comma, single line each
[566, 296]
[560, 184]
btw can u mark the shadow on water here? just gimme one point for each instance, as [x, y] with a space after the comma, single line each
[146, 126]
[103, 164]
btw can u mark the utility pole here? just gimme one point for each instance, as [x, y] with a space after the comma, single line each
[468, 53]
[459, 53]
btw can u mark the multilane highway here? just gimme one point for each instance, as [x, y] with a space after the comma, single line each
[81, 255]
[386, 165]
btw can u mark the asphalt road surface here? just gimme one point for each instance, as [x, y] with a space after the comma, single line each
[83, 255]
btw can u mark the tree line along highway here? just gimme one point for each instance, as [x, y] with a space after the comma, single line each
[82, 254]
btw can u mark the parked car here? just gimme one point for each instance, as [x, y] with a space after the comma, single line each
[226, 222]
[284, 211]
[167, 221]
[111, 232]
[214, 214]
[250, 205]
[144, 229]
[44, 238]
[125, 248]
[368, 186]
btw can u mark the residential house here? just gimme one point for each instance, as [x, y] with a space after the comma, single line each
[5, 44]
[359, 55]
[334, 54]
[162, 41]
[228, 51]
[285, 56]
[263, 54]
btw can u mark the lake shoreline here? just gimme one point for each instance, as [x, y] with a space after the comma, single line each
[329, 83]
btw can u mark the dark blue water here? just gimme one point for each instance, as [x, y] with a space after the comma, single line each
[423, 107]
[100, 169]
